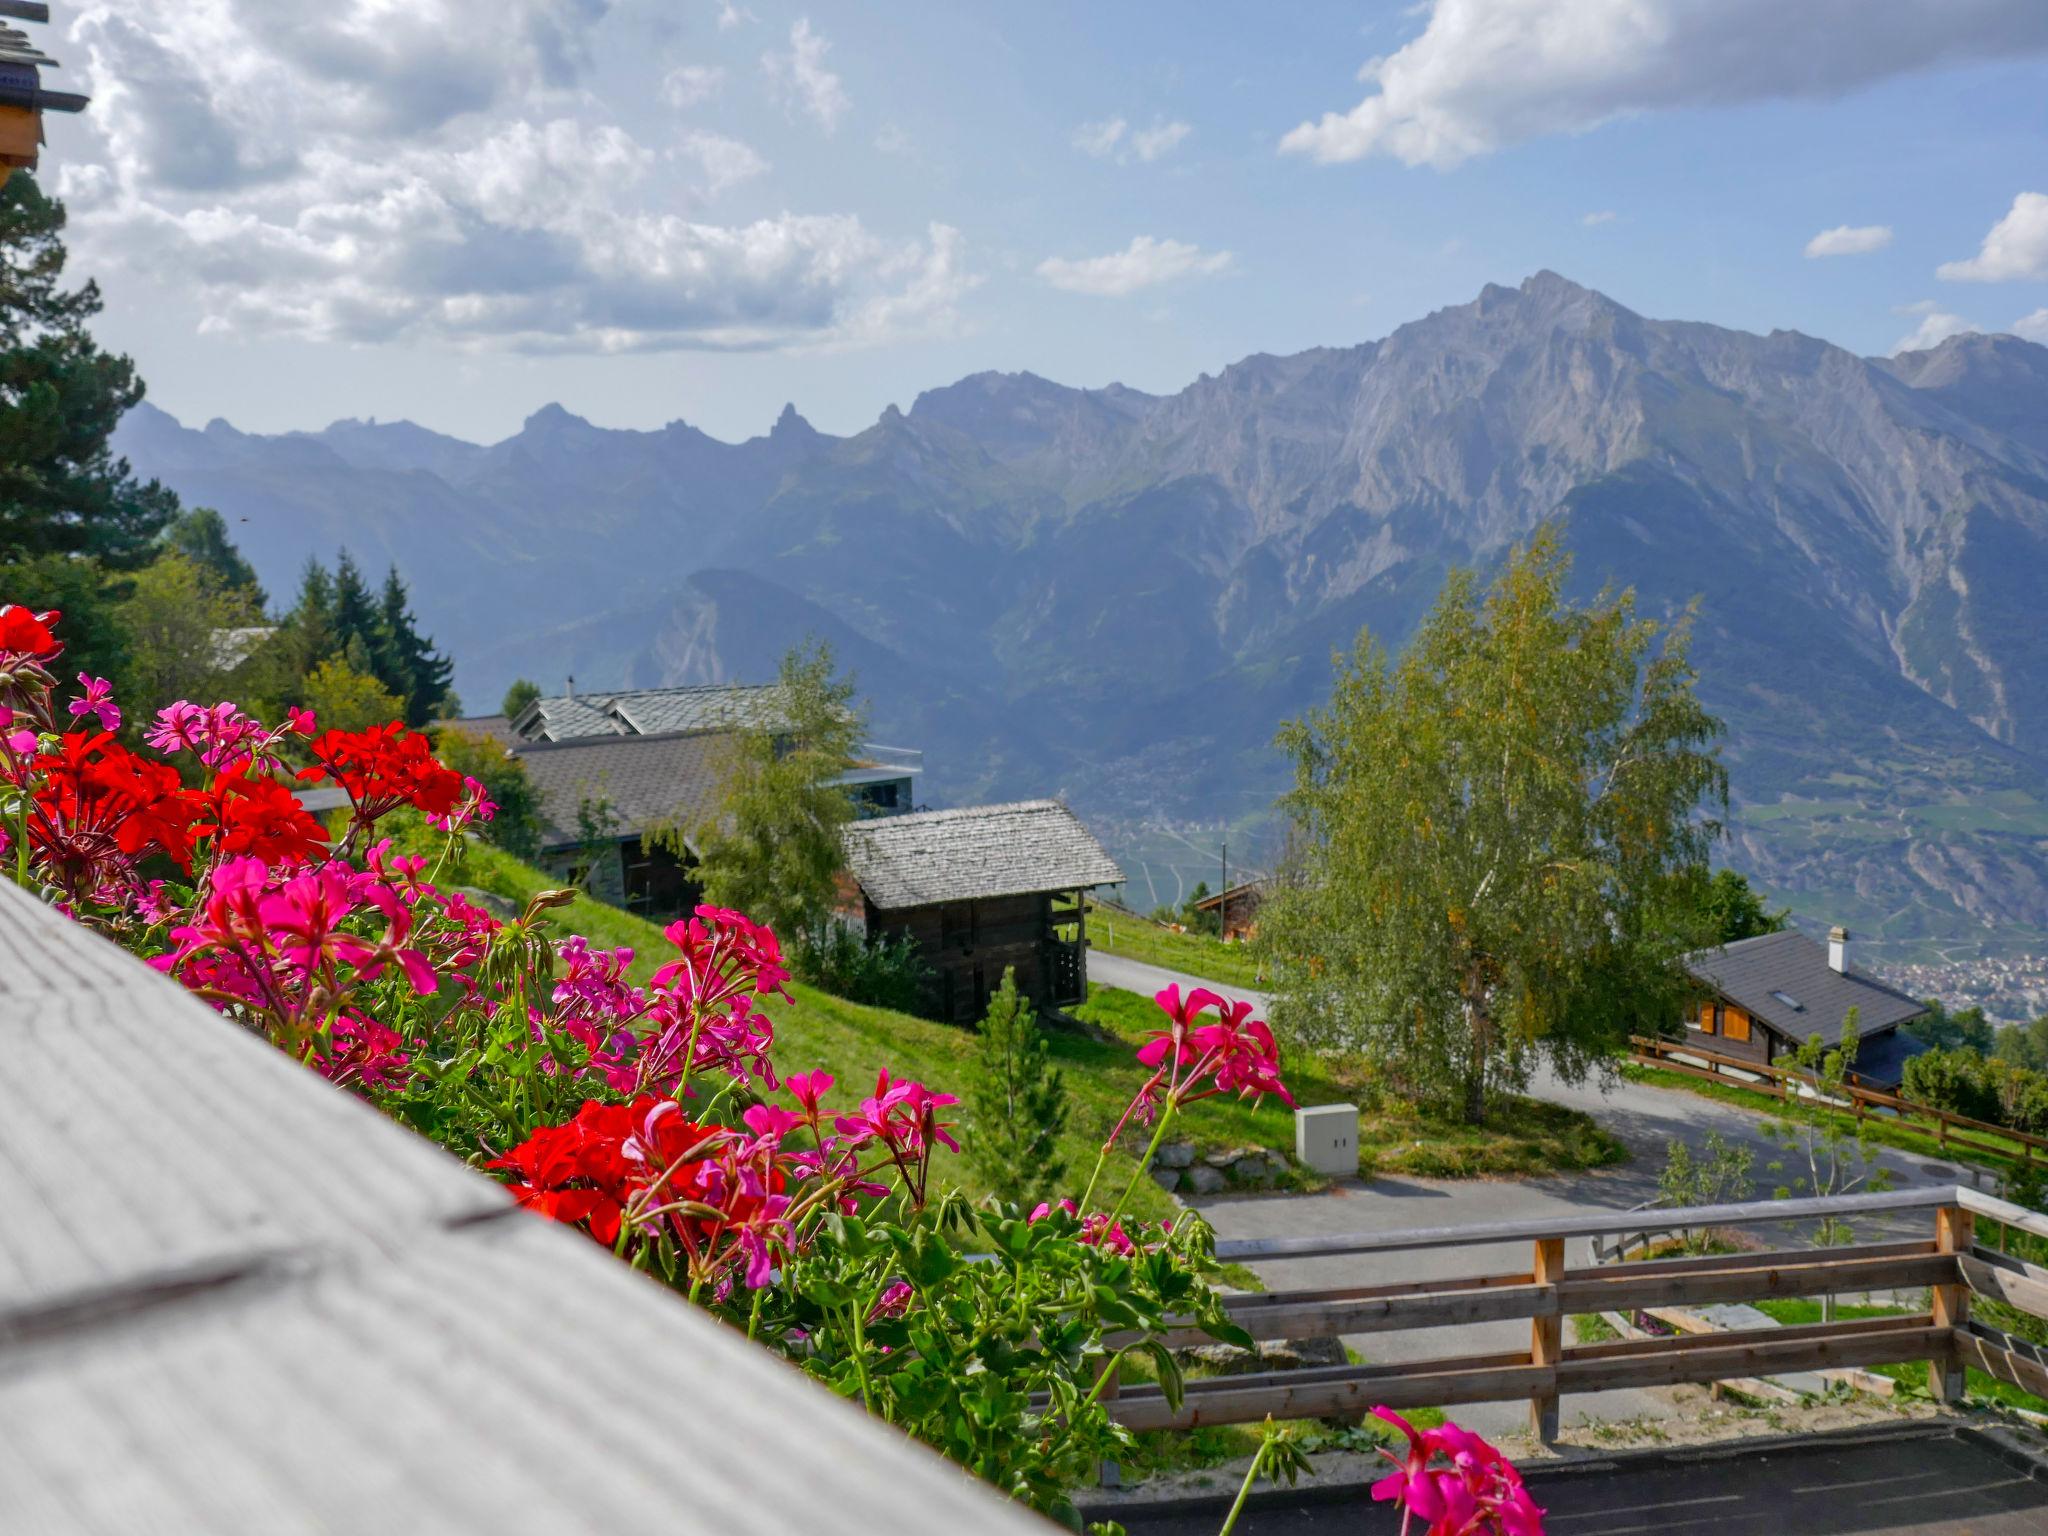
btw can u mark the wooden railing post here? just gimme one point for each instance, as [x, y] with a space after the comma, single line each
[1953, 1233]
[1546, 1336]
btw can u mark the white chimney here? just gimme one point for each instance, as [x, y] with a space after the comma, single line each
[1838, 949]
[572, 685]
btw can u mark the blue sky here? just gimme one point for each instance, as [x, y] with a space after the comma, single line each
[459, 210]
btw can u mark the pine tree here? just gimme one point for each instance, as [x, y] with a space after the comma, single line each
[62, 492]
[1017, 1098]
[308, 636]
[355, 614]
[427, 671]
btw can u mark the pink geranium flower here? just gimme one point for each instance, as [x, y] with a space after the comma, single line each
[98, 701]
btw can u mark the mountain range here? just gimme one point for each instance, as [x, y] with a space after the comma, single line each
[1117, 596]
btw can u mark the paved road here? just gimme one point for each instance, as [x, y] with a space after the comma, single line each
[1645, 1119]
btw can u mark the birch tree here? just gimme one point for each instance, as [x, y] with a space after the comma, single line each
[1501, 838]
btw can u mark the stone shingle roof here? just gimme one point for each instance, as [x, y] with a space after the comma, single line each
[561, 717]
[973, 853]
[647, 779]
[651, 712]
[1753, 972]
[710, 708]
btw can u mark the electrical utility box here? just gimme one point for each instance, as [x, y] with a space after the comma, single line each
[1326, 1139]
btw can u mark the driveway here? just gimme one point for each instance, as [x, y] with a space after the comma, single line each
[1645, 1119]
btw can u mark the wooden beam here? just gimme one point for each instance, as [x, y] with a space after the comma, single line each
[1449, 1307]
[1351, 1393]
[1619, 1290]
[1481, 1234]
[1768, 1257]
[291, 1313]
[1350, 1390]
[2003, 1357]
[2004, 1278]
[1723, 1357]
[1991, 1206]
[1546, 1337]
[1950, 1304]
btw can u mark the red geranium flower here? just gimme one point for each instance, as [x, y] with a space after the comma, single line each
[100, 803]
[28, 634]
[385, 767]
[261, 818]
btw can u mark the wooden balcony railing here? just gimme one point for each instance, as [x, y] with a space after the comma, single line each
[1951, 1131]
[1948, 1262]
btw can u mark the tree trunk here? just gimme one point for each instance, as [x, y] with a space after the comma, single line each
[1479, 1030]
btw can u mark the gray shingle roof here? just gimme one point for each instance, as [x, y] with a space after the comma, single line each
[975, 852]
[653, 711]
[562, 718]
[647, 779]
[1752, 972]
[710, 708]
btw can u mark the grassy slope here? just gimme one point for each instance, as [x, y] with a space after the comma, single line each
[1114, 931]
[853, 1042]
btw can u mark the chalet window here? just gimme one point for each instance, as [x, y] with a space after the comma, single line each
[1735, 1024]
[1710, 1018]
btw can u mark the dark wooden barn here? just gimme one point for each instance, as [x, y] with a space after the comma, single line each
[982, 888]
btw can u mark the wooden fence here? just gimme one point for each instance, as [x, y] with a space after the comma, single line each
[235, 1299]
[1948, 1262]
[1951, 1131]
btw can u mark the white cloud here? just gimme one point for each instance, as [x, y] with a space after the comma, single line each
[2034, 327]
[731, 15]
[1159, 139]
[1115, 139]
[1595, 220]
[1936, 326]
[1488, 73]
[724, 162]
[1144, 263]
[688, 85]
[1849, 240]
[800, 78]
[2017, 246]
[290, 186]
[1100, 139]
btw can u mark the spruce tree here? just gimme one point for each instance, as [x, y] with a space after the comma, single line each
[1017, 1098]
[427, 671]
[62, 491]
[355, 613]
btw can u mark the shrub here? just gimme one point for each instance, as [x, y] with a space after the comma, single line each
[887, 973]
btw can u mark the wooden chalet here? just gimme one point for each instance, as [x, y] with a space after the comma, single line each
[982, 888]
[1237, 910]
[609, 768]
[1765, 997]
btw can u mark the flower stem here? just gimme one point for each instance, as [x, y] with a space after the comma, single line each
[1244, 1491]
[1166, 1113]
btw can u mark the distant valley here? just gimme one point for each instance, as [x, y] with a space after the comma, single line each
[1117, 596]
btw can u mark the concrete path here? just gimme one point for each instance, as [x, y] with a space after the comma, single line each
[1645, 1119]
